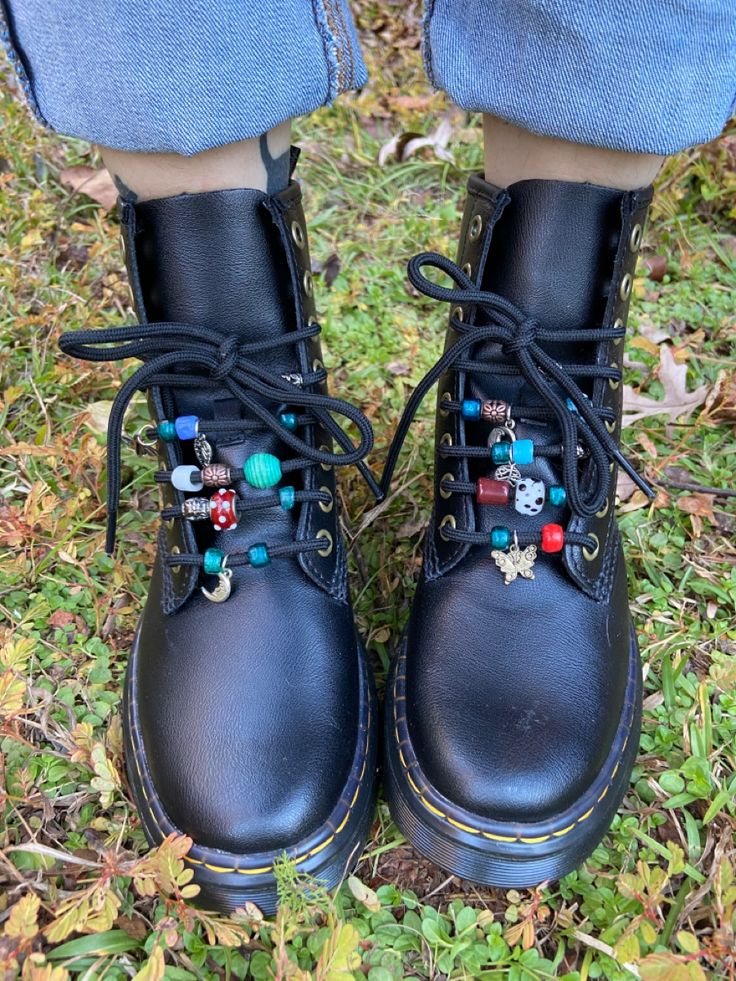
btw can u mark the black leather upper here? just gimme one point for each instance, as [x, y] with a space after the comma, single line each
[248, 710]
[515, 692]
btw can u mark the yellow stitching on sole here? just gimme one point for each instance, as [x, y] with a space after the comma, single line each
[533, 841]
[265, 868]
[584, 817]
[564, 831]
[463, 827]
[488, 834]
[432, 808]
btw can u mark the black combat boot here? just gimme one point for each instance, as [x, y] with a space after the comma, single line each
[514, 704]
[249, 712]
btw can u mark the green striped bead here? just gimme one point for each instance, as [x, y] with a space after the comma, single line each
[262, 470]
[213, 559]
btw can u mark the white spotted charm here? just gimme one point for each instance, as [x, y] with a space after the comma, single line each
[529, 496]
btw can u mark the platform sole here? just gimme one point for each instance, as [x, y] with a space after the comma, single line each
[495, 853]
[228, 881]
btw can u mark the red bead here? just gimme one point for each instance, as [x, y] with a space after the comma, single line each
[224, 509]
[488, 491]
[553, 538]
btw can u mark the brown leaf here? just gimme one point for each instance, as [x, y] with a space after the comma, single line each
[656, 267]
[329, 269]
[700, 504]
[677, 401]
[398, 368]
[96, 184]
[405, 145]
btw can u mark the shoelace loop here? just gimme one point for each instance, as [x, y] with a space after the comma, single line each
[521, 337]
[167, 350]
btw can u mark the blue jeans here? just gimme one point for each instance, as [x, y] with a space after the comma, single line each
[186, 75]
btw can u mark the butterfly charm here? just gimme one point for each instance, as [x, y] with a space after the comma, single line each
[516, 562]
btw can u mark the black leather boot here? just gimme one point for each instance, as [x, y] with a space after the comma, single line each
[514, 704]
[249, 712]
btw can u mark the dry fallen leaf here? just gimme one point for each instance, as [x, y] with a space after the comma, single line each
[96, 184]
[677, 401]
[404, 145]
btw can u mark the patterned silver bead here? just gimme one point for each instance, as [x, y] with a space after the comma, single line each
[196, 509]
[217, 475]
[495, 411]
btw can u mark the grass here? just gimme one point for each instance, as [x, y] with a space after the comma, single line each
[80, 895]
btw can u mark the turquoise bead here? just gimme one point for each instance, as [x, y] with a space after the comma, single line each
[471, 409]
[258, 555]
[501, 452]
[286, 497]
[556, 496]
[213, 559]
[167, 431]
[262, 470]
[500, 538]
[522, 452]
[288, 420]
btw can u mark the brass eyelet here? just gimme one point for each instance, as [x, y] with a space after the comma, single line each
[447, 521]
[604, 510]
[445, 397]
[446, 439]
[446, 493]
[327, 550]
[614, 382]
[308, 283]
[635, 240]
[468, 269]
[610, 426]
[617, 324]
[611, 466]
[317, 365]
[626, 283]
[297, 233]
[476, 226]
[457, 313]
[175, 550]
[590, 554]
[325, 449]
[326, 507]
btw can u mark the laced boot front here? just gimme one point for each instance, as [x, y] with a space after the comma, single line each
[249, 716]
[513, 708]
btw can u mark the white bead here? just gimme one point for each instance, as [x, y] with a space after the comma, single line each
[186, 478]
[529, 496]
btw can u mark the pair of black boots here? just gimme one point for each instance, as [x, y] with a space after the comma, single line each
[512, 709]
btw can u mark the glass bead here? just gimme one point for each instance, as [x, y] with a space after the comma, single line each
[501, 453]
[553, 538]
[258, 555]
[489, 491]
[288, 420]
[500, 538]
[167, 431]
[557, 496]
[213, 559]
[224, 509]
[287, 497]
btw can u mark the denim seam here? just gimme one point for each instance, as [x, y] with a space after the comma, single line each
[426, 44]
[336, 46]
[16, 59]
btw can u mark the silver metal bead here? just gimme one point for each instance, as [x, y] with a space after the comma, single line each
[196, 509]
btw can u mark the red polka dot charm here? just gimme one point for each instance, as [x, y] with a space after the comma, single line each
[224, 509]
[553, 538]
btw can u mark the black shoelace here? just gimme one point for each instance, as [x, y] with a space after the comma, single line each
[581, 424]
[180, 356]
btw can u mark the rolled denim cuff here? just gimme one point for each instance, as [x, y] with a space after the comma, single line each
[647, 76]
[179, 76]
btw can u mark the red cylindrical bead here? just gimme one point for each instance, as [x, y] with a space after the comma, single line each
[223, 509]
[488, 491]
[553, 538]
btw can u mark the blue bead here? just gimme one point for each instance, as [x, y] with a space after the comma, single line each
[500, 452]
[286, 497]
[213, 558]
[258, 555]
[471, 409]
[522, 452]
[556, 496]
[288, 420]
[572, 407]
[500, 538]
[187, 427]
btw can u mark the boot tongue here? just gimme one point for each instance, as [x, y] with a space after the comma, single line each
[552, 251]
[213, 259]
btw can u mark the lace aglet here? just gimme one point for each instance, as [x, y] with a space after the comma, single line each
[636, 477]
[371, 481]
[112, 522]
